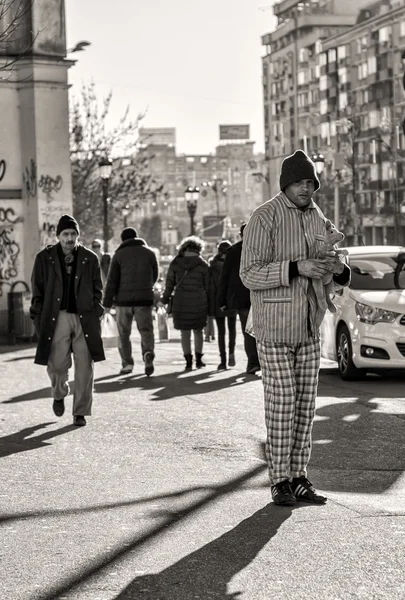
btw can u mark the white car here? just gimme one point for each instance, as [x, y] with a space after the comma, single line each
[367, 332]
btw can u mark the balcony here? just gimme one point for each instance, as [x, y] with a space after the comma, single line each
[307, 21]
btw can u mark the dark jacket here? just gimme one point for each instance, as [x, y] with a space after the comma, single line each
[232, 293]
[190, 301]
[47, 291]
[132, 275]
[214, 304]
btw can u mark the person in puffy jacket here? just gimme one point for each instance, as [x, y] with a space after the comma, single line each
[187, 281]
[222, 315]
[131, 277]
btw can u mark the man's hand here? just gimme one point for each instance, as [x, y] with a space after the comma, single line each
[223, 308]
[315, 268]
[107, 311]
[160, 304]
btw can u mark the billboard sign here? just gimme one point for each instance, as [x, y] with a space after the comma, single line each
[158, 136]
[213, 226]
[234, 132]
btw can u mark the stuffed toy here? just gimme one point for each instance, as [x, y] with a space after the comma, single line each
[328, 243]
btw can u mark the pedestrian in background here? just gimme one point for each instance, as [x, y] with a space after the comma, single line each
[130, 287]
[232, 294]
[224, 316]
[187, 279]
[103, 257]
[66, 310]
[278, 268]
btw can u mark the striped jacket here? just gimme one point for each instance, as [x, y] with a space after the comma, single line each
[278, 232]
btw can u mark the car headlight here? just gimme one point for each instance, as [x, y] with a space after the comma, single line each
[371, 315]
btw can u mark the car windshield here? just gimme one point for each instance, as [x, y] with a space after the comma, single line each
[382, 272]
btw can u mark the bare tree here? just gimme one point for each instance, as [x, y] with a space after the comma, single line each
[16, 38]
[91, 139]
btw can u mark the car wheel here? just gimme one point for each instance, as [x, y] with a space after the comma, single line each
[348, 371]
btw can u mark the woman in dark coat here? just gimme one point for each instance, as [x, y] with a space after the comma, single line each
[221, 316]
[187, 279]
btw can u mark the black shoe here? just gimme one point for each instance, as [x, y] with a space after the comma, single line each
[303, 490]
[231, 360]
[189, 361]
[282, 494]
[149, 368]
[79, 421]
[198, 360]
[221, 366]
[253, 370]
[58, 407]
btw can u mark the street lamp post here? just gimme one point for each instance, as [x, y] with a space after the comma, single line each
[192, 195]
[105, 166]
[125, 213]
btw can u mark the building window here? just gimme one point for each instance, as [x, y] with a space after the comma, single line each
[323, 59]
[341, 52]
[332, 128]
[343, 101]
[203, 160]
[372, 64]
[386, 170]
[190, 159]
[303, 55]
[374, 172]
[323, 107]
[323, 83]
[362, 71]
[301, 77]
[374, 119]
[402, 29]
[325, 133]
[332, 56]
[342, 73]
[384, 35]
[318, 47]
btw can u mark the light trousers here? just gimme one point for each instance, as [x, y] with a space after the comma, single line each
[68, 338]
[290, 379]
[144, 322]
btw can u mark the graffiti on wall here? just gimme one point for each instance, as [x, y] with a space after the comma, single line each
[51, 210]
[3, 166]
[9, 247]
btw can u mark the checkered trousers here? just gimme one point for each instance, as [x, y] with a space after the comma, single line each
[290, 380]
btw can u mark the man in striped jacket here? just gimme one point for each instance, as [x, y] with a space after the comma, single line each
[278, 266]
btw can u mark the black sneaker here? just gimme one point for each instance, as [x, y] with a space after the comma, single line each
[58, 407]
[303, 490]
[282, 494]
[79, 421]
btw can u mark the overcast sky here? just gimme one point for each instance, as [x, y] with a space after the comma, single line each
[193, 64]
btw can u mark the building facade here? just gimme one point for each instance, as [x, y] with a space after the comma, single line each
[291, 74]
[35, 176]
[231, 182]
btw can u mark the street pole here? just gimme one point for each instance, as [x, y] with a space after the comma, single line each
[192, 224]
[336, 203]
[105, 213]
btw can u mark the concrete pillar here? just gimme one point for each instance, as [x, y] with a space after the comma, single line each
[35, 174]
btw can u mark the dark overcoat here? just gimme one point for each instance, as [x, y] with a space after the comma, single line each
[214, 303]
[232, 293]
[47, 291]
[188, 276]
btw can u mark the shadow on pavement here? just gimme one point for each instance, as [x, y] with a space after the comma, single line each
[207, 572]
[20, 358]
[241, 553]
[22, 442]
[173, 386]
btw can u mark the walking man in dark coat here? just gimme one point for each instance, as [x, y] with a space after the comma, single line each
[131, 278]
[232, 294]
[66, 310]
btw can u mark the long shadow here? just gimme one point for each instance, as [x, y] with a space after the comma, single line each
[20, 358]
[168, 386]
[21, 442]
[170, 519]
[35, 395]
[206, 572]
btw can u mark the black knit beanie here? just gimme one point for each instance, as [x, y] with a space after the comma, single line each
[296, 167]
[67, 222]
[224, 246]
[128, 233]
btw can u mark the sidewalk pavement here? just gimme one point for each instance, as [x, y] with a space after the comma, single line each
[164, 495]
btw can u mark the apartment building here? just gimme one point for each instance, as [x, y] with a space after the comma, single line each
[361, 110]
[231, 182]
[291, 74]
